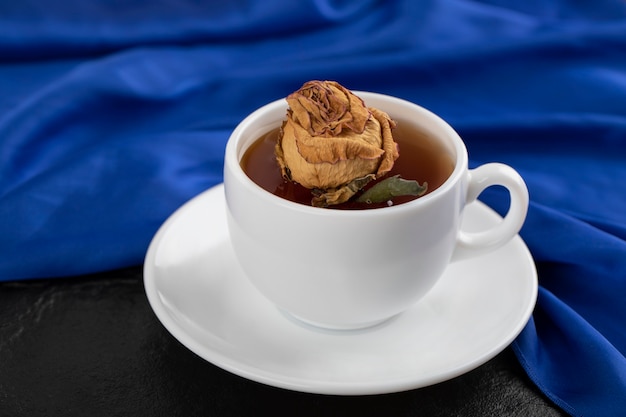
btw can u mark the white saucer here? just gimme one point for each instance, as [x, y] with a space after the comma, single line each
[202, 297]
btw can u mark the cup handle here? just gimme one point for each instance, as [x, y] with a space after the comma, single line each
[476, 243]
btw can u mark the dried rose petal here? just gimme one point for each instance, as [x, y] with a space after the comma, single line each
[331, 142]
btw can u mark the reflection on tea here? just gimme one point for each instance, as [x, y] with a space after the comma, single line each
[422, 158]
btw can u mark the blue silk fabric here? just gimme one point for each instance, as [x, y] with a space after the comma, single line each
[114, 113]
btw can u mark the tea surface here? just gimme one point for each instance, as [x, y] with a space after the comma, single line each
[421, 158]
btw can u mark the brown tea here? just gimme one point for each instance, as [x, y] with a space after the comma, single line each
[422, 158]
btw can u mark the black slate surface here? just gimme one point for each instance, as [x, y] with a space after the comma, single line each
[91, 346]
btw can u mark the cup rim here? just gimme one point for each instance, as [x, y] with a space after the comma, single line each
[233, 156]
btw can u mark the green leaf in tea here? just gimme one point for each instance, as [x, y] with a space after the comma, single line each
[392, 187]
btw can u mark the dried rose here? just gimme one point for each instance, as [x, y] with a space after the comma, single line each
[332, 143]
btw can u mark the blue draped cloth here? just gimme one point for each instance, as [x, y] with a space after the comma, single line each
[113, 114]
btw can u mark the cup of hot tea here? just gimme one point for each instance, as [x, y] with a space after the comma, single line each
[353, 266]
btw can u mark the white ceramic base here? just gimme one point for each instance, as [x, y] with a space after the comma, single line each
[200, 294]
[358, 326]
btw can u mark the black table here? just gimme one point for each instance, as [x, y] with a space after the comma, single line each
[91, 346]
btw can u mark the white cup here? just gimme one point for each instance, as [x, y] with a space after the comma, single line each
[348, 269]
